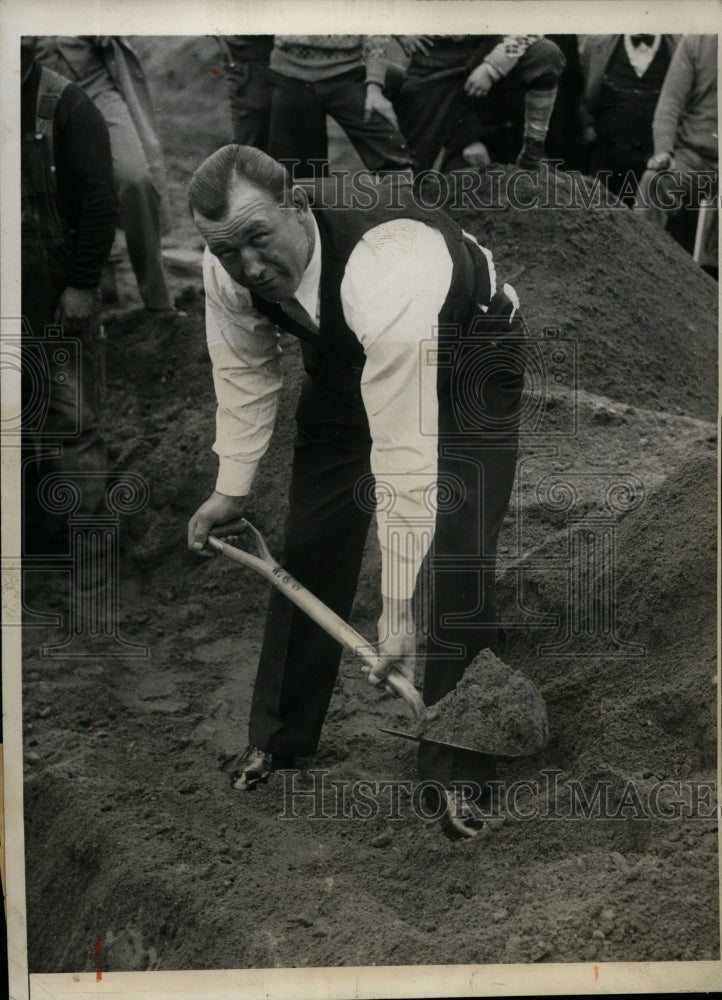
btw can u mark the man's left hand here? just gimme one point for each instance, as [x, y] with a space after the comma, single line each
[76, 308]
[397, 641]
[376, 101]
[479, 82]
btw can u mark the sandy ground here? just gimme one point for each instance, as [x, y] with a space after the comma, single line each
[140, 857]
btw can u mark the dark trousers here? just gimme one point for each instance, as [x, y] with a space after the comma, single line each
[325, 535]
[62, 391]
[624, 166]
[249, 97]
[298, 124]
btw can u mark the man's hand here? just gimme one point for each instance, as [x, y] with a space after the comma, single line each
[661, 161]
[476, 155]
[397, 640]
[415, 43]
[480, 81]
[375, 101]
[220, 514]
[76, 308]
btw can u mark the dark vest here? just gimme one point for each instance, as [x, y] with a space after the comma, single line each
[336, 346]
[627, 101]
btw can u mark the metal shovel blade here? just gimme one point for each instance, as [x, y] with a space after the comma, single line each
[450, 746]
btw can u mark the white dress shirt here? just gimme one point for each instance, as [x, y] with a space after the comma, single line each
[395, 283]
[641, 56]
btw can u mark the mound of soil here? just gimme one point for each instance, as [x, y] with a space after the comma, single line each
[493, 709]
[642, 314]
[139, 856]
[650, 695]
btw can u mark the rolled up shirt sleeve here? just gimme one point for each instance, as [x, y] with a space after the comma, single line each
[245, 353]
[395, 284]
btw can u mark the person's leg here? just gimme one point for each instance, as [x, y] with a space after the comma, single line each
[564, 139]
[298, 126]
[424, 105]
[379, 144]
[479, 449]
[663, 193]
[500, 117]
[394, 81]
[325, 536]
[62, 385]
[620, 172]
[249, 97]
[539, 68]
[138, 198]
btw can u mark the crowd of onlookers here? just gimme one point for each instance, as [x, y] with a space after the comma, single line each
[637, 111]
[622, 108]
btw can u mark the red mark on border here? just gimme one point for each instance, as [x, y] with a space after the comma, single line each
[596, 973]
[215, 72]
[98, 964]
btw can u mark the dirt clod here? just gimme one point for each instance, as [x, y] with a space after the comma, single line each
[493, 709]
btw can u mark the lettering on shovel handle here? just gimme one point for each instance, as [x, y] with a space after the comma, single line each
[286, 579]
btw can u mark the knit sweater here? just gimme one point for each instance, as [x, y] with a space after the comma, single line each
[504, 56]
[320, 57]
[686, 113]
[86, 195]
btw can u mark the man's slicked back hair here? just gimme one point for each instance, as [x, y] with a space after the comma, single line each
[210, 187]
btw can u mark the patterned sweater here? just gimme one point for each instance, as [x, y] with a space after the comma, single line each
[504, 57]
[320, 57]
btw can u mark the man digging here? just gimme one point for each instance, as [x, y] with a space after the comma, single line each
[368, 292]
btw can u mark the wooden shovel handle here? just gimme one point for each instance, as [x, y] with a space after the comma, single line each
[337, 628]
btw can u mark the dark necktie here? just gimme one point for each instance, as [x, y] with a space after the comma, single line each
[296, 311]
[637, 40]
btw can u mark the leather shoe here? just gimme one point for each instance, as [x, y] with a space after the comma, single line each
[460, 820]
[256, 768]
[531, 154]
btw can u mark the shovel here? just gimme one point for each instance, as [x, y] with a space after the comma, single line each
[264, 563]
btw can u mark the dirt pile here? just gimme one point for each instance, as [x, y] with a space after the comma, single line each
[643, 316]
[648, 695]
[493, 709]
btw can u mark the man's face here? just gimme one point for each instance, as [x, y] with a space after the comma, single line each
[263, 246]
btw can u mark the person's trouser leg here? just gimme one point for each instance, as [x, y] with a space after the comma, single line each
[62, 379]
[423, 107]
[663, 193]
[539, 68]
[619, 170]
[138, 199]
[298, 127]
[249, 98]
[325, 536]
[479, 449]
[379, 144]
